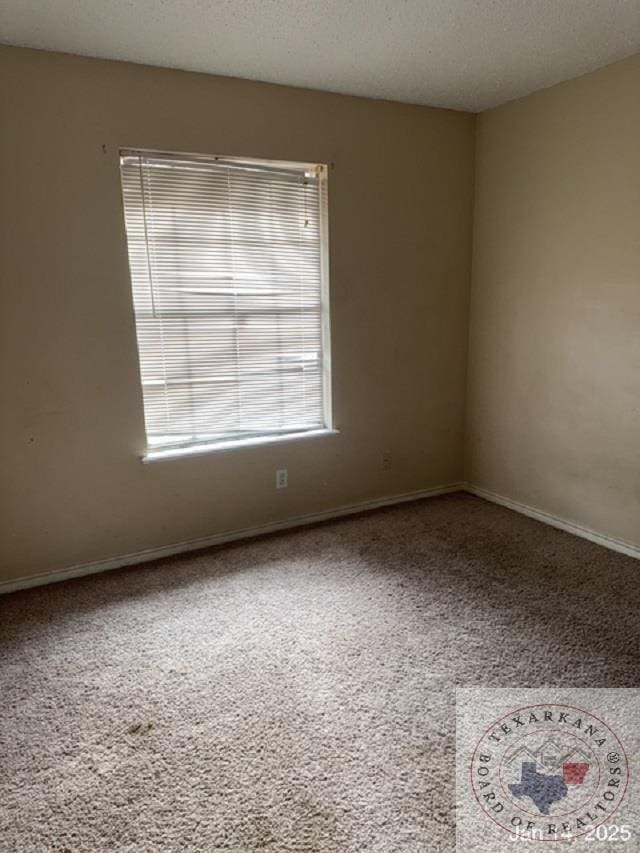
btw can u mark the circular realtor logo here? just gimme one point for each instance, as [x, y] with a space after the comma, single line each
[549, 772]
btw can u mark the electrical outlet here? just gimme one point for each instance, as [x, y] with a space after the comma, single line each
[386, 460]
[282, 478]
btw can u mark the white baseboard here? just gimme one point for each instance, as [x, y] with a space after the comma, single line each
[220, 538]
[553, 520]
[312, 518]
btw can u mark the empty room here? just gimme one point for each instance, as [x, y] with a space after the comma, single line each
[320, 481]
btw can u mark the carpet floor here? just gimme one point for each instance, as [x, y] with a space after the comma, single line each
[295, 692]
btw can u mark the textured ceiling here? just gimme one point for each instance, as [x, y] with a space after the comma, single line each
[465, 54]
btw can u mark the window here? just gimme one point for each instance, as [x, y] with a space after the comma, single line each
[228, 263]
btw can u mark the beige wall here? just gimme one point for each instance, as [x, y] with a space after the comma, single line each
[554, 366]
[553, 411]
[73, 488]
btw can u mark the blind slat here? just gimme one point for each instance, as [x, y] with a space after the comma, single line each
[229, 290]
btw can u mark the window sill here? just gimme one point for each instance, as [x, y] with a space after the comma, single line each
[219, 446]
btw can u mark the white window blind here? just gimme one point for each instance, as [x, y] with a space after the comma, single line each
[229, 277]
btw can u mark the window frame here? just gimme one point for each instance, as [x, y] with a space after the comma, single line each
[158, 452]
